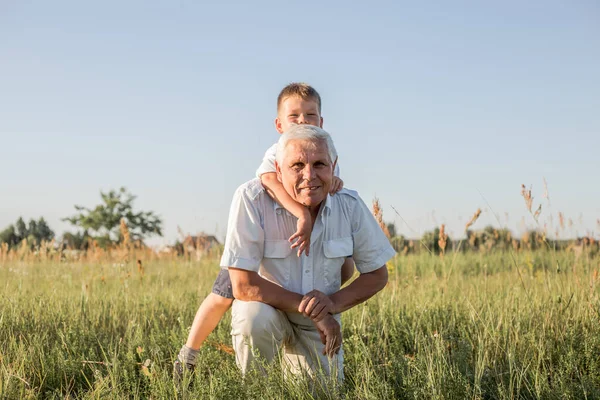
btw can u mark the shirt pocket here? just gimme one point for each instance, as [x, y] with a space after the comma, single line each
[336, 251]
[276, 262]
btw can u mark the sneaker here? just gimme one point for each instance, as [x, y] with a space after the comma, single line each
[182, 370]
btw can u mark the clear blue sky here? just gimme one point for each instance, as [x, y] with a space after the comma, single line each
[437, 108]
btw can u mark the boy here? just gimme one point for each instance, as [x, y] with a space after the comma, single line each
[298, 103]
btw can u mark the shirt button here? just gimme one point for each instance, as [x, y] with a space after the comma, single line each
[306, 271]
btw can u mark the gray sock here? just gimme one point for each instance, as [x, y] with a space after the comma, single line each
[188, 355]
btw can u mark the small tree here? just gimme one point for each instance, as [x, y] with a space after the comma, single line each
[103, 221]
[9, 236]
[21, 229]
[42, 231]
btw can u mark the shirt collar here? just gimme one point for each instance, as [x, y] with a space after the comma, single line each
[326, 205]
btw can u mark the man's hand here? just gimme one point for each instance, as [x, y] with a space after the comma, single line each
[302, 235]
[331, 335]
[336, 185]
[316, 305]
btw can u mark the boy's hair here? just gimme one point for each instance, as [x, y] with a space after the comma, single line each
[300, 89]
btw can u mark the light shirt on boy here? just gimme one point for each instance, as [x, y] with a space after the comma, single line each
[268, 163]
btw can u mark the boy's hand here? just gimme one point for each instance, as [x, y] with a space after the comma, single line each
[336, 185]
[302, 235]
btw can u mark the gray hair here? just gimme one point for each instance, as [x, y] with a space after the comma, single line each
[305, 132]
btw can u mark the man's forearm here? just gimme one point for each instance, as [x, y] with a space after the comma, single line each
[360, 290]
[277, 192]
[249, 286]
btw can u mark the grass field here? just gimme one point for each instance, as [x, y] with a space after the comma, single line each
[501, 325]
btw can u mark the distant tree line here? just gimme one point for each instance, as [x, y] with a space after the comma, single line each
[101, 224]
[487, 239]
[35, 233]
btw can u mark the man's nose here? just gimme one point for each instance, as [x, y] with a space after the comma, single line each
[309, 172]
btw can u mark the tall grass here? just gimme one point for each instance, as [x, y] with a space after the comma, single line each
[98, 328]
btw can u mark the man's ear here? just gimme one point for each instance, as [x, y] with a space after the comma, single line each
[278, 171]
[278, 125]
[335, 163]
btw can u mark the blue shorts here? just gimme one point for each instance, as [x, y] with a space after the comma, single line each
[222, 285]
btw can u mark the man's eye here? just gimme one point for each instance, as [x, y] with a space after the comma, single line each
[294, 115]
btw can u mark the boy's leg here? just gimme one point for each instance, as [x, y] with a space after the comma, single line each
[212, 309]
[207, 318]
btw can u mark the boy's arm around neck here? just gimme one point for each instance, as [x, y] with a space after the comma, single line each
[277, 192]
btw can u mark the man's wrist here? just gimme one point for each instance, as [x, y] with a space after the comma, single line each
[334, 308]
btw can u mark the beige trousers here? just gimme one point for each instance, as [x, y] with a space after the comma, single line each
[259, 329]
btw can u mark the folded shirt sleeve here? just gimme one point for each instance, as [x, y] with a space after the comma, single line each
[244, 243]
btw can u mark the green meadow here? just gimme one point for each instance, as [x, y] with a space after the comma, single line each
[502, 324]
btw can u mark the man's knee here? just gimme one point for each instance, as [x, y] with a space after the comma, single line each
[255, 319]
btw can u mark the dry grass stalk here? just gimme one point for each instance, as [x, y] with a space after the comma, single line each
[537, 213]
[124, 233]
[442, 239]
[223, 347]
[561, 220]
[378, 214]
[527, 196]
[473, 219]
[4, 251]
[515, 244]
[546, 195]
[140, 268]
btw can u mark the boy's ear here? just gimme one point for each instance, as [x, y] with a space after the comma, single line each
[278, 171]
[278, 125]
[321, 126]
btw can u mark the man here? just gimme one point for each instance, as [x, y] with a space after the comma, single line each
[291, 302]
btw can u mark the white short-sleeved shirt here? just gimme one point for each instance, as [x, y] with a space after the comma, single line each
[268, 163]
[259, 228]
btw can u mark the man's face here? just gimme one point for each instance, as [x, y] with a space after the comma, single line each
[296, 110]
[306, 171]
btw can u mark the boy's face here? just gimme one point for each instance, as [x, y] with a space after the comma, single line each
[296, 110]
